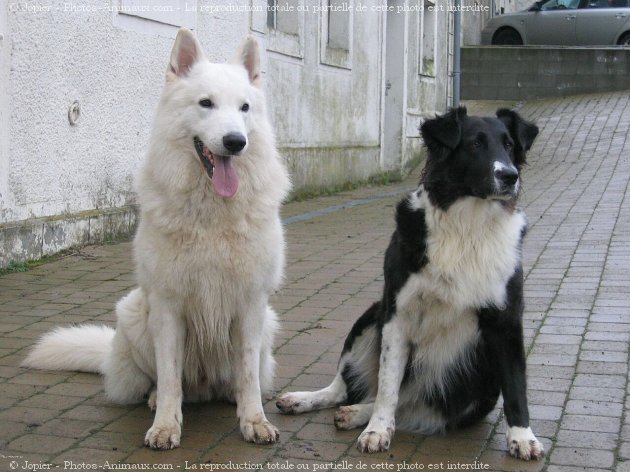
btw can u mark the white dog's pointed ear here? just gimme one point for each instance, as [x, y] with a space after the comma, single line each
[248, 55]
[186, 52]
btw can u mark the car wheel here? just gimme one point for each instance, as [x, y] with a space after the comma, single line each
[624, 40]
[507, 37]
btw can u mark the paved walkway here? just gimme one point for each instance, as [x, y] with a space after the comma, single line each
[577, 323]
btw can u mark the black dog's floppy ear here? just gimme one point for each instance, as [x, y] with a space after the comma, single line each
[522, 132]
[443, 131]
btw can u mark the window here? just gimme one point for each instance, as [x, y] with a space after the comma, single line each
[560, 5]
[285, 27]
[283, 16]
[608, 4]
[338, 24]
[336, 33]
[428, 20]
[160, 17]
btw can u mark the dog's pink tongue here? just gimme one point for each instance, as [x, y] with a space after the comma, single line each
[224, 178]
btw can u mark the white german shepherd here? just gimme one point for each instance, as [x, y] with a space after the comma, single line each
[209, 251]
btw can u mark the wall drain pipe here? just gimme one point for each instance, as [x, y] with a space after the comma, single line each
[457, 46]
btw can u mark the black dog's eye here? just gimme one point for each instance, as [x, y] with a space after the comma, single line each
[206, 103]
[480, 141]
[509, 146]
[245, 107]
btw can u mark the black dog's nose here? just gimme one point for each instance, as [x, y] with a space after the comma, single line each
[507, 176]
[234, 142]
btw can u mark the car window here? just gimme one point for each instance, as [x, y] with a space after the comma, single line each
[560, 5]
[608, 4]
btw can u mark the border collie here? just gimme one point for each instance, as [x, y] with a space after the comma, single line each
[446, 338]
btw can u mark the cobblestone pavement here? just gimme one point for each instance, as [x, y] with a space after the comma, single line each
[577, 326]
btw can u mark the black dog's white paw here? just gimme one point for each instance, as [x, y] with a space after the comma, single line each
[375, 441]
[523, 444]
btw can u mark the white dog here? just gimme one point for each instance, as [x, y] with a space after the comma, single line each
[209, 251]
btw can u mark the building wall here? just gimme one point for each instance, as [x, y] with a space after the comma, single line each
[325, 102]
[64, 184]
[428, 69]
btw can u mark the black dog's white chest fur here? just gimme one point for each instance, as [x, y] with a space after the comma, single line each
[471, 252]
[472, 249]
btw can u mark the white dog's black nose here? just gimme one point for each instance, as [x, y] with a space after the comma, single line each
[234, 142]
[507, 176]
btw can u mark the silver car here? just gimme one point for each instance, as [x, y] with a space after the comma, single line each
[563, 22]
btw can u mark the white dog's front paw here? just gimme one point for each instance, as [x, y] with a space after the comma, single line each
[523, 444]
[163, 435]
[259, 430]
[375, 441]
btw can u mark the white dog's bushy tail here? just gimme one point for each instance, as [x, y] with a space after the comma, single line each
[82, 348]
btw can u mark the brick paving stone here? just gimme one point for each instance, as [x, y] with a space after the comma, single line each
[75, 389]
[52, 402]
[538, 397]
[589, 367]
[39, 378]
[148, 457]
[68, 428]
[568, 468]
[606, 381]
[624, 450]
[81, 458]
[32, 416]
[501, 461]
[38, 443]
[594, 407]
[591, 423]
[10, 430]
[586, 439]
[576, 325]
[606, 394]
[448, 447]
[94, 413]
[622, 466]
[314, 450]
[582, 457]
[544, 412]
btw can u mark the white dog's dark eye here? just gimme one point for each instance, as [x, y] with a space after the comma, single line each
[206, 103]
[245, 107]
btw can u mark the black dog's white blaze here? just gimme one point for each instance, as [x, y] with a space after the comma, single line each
[446, 338]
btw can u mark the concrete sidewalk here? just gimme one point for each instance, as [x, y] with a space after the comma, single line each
[577, 262]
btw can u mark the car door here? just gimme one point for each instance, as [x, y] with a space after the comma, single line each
[553, 24]
[599, 22]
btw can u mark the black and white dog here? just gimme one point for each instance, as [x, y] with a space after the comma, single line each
[446, 339]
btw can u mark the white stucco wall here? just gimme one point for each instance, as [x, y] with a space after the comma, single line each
[52, 58]
[6, 200]
[63, 184]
